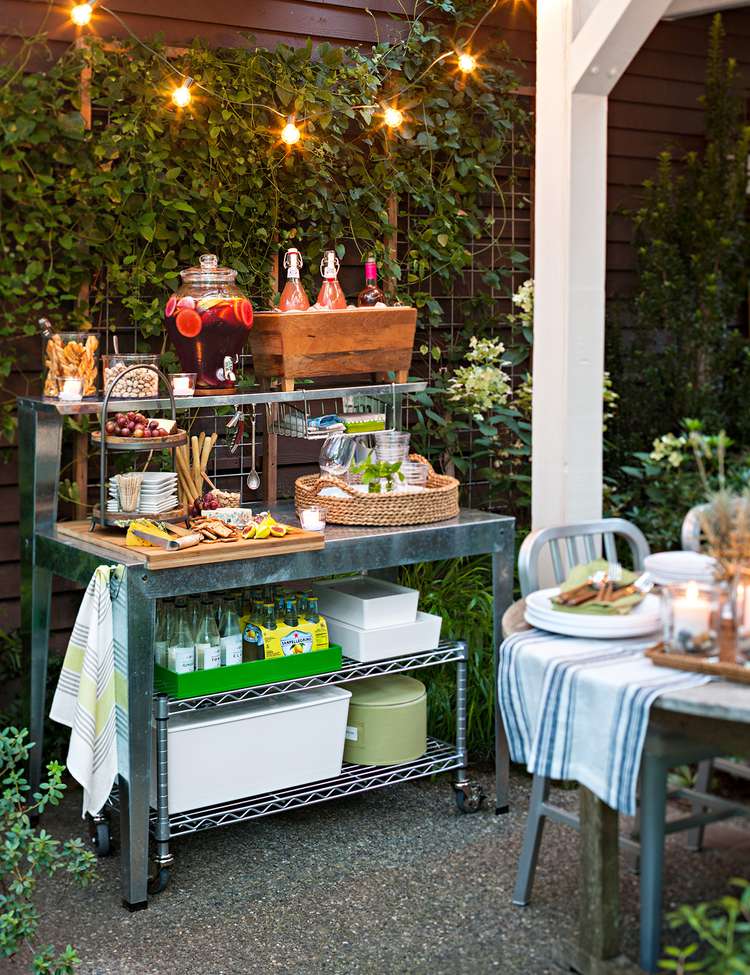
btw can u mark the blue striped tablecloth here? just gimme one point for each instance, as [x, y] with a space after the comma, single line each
[578, 709]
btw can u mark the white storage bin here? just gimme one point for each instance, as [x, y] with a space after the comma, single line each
[386, 641]
[367, 602]
[240, 750]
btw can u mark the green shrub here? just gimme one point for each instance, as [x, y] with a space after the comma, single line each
[27, 854]
[720, 932]
[459, 590]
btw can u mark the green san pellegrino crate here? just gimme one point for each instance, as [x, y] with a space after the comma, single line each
[202, 682]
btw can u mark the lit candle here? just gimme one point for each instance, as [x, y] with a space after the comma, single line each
[743, 603]
[181, 386]
[692, 613]
[313, 519]
[71, 389]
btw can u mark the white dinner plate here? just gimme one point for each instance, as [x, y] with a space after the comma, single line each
[668, 567]
[644, 619]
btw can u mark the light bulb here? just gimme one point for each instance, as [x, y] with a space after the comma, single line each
[181, 96]
[290, 134]
[466, 63]
[393, 117]
[81, 14]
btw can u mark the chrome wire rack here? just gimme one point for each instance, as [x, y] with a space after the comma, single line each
[351, 670]
[354, 779]
[299, 419]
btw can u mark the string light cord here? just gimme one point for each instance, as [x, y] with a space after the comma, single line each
[393, 116]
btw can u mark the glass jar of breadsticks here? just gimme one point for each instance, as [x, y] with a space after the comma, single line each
[70, 355]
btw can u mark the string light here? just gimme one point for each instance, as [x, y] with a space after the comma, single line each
[290, 134]
[393, 117]
[181, 96]
[466, 63]
[81, 13]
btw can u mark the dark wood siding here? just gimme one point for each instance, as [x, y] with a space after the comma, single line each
[655, 105]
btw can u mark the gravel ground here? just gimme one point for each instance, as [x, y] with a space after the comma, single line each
[395, 881]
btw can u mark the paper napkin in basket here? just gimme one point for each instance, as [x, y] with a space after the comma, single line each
[85, 695]
[618, 607]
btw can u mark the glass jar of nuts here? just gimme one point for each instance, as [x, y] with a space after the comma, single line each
[138, 384]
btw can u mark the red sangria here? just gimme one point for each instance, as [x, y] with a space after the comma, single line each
[208, 319]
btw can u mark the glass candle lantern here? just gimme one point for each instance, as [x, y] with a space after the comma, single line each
[183, 383]
[313, 518]
[692, 617]
[742, 613]
[68, 388]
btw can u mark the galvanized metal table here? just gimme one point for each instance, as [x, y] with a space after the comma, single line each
[45, 553]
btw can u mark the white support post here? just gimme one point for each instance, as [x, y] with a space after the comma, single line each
[574, 49]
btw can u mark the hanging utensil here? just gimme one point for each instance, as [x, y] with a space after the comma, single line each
[253, 481]
[237, 427]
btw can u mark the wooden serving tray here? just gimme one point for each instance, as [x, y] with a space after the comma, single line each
[699, 665]
[304, 345]
[141, 443]
[297, 540]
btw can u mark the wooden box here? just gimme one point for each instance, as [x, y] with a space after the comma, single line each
[307, 345]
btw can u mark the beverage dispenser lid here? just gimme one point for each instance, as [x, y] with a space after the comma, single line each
[209, 271]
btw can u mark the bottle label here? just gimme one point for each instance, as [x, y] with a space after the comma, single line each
[231, 650]
[252, 634]
[296, 641]
[160, 653]
[182, 659]
[208, 656]
[319, 634]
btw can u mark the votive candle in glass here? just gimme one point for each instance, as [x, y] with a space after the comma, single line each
[313, 519]
[69, 388]
[691, 618]
[183, 383]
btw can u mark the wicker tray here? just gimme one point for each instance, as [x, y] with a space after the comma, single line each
[438, 503]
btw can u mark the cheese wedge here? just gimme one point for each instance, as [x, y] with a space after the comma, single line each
[146, 527]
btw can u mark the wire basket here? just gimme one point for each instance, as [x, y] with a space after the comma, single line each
[298, 419]
[438, 502]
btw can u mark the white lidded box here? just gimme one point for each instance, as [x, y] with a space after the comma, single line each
[386, 641]
[246, 749]
[367, 602]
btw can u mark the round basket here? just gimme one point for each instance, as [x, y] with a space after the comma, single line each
[438, 503]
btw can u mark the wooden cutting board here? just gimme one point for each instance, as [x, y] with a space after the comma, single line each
[297, 540]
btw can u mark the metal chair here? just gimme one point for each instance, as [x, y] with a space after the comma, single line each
[580, 543]
[583, 542]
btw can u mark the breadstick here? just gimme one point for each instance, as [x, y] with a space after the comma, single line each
[208, 446]
[196, 460]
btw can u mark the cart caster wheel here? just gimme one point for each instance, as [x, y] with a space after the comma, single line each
[159, 882]
[469, 797]
[101, 838]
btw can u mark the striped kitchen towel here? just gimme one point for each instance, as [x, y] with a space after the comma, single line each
[578, 709]
[85, 695]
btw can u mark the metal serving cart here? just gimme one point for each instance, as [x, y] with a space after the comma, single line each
[45, 552]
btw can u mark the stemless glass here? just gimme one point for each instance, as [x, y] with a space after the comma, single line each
[336, 455]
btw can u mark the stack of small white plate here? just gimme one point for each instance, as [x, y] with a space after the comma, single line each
[666, 567]
[158, 493]
[644, 619]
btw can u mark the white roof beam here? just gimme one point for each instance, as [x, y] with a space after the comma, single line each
[608, 41]
[695, 8]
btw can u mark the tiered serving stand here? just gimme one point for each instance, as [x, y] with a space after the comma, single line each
[46, 552]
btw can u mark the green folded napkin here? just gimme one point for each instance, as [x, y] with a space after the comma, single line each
[620, 607]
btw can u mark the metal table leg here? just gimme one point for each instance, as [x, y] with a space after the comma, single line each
[39, 446]
[164, 858]
[134, 621]
[502, 591]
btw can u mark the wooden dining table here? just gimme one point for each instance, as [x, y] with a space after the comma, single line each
[715, 717]
[714, 720]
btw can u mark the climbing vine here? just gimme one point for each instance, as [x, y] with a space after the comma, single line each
[95, 223]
